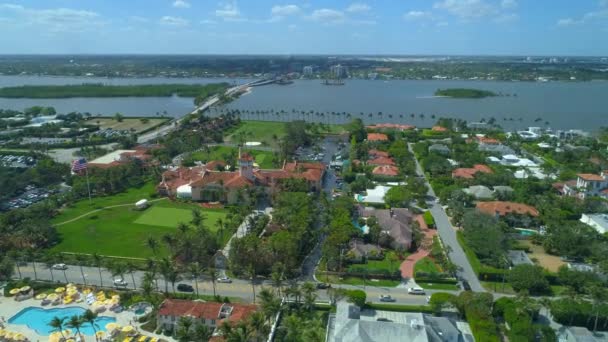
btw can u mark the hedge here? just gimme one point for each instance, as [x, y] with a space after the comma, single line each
[400, 308]
[428, 219]
[580, 313]
[436, 280]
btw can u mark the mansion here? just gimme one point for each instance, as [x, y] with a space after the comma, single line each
[209, 184]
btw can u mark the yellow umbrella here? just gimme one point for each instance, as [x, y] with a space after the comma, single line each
[60, 290]
[9, 335]
[100, 334]
[116, 296]
[128, 339]
[2, 332]
[25, 289]
[52, 296]
[19, 337]
[154, 339]
[127, 329]
[14, 291]
[40, 296]
[55, 337]
[112, 326]
[142, 338]
[70, 285]
[70, 340]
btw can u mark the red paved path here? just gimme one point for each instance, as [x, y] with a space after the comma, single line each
[407, 266]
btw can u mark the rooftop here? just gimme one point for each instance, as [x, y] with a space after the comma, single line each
[377, 137]
[503, 208]
[591, 177]
[386, 170]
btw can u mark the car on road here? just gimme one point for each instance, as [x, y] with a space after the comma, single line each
[416, 291]
[224, 280]
[323, 286]
[119, 282]
[387, 298]
[466, 286]
[62, 267]
[185, 288]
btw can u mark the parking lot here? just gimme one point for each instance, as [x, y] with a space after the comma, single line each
[30, 196]
[17, 161]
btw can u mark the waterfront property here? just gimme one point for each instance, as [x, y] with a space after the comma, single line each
[203, 184]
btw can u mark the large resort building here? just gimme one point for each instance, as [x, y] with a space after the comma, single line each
[208, 184]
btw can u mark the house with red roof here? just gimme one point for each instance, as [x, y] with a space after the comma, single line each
[389, 126]
[500, 208]
[381, 161]
[439, 129]
[211, 314]
[469, 173]
[376, 137]
[588, 184]
[386, 171]
[208, 184]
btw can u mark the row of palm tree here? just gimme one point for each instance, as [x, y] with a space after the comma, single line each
[75, 322]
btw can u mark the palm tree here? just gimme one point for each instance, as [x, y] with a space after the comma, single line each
[294, 291]
[75, 322]
[49, 261]
[195, 272]
[90, 317]
[152, 268]
[147, 286]
[57, 323]
[310, 295]
[80, 259]
[31, 255]
[165, 268]
[98, 262]
[269, 303]
[257, 322]
[240, 333]
[15, 255]
[201, 332]
[130, 268]
[184, 326]
[152, 243]
[252, 273]
[277, 276]
[212, 273]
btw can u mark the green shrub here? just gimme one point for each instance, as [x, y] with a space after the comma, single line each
[428, 219]
[357, 297]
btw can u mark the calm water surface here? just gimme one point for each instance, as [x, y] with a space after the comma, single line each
[563, 105]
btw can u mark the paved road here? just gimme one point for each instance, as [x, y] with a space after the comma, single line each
[239, 288]
[448, 236]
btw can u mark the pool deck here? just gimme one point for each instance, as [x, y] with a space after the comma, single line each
[9, 307]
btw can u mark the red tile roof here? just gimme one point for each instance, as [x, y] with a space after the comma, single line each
[213, 165]
[591, 177]
[488, 141]
[207, 310]
[377, 153]
[386, 170]
[469, 173]
[382, 161]
[228, 179]
[391, 126]
[504, 208]
[439, 129]
[377, 137]
[246, 156]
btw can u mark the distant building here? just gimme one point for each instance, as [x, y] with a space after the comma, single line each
[389, 126]
[439, 148]
[374, 137]
[588, 185]
[599, 222]
[469, 173]
[517, 257]
[386, 171]
[308, 71]
[338, 71]
[479, 192]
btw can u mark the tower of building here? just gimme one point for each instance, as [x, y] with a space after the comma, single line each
[246, 165]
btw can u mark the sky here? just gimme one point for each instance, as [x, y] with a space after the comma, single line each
[380, 27]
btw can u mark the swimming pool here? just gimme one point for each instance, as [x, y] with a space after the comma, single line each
[38, 319]
[526, 232]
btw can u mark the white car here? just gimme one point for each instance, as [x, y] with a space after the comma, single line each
[225, 280]
[386, 298]
[415, 291]
[119, 282]
[62, 267]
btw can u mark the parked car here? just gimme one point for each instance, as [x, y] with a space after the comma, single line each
[466, 286]
[225, 280]
[416, 291]
[62, 267]
[119, 282]
[323, 286]
[387, 298]
[185, 288]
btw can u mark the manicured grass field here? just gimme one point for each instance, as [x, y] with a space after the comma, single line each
[426, 265]
[265, 159]
[390, 263]
[261, 131]
[171, 217]
[123, 231]
[126, 123]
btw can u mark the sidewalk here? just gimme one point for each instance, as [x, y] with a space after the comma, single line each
[407, 266]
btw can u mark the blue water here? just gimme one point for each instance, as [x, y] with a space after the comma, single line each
[526, 232]
[38, 319]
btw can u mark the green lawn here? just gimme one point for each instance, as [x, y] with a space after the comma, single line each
[267, 132]
[436, 286]
[265, 159]
[426, 265]
[122, 231]
[390, 263]
[332, 279]
[84, 206]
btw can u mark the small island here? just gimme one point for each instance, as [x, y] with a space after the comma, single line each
[464, 93]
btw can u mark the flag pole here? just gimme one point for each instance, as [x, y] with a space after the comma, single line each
[86, 170]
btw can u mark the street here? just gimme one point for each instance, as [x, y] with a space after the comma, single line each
[448, 236]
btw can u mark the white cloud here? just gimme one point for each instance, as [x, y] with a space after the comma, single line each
[229, 11]
[181, 4]
[284, 11]
[415, 15]
[358, 7]
[328, 16]
[467, 9]
[508, 4]
[56, 19]
[138, 19]
[174, 21]
[566, 22]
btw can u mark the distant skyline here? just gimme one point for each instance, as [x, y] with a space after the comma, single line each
[382, 27]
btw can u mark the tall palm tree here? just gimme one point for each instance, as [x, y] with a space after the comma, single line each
[277, 276]
[75, 323]
[202, 332]
[97, 260]
[310, 295]
[195, 271]
[252, 273]
[31, 255]
[80, 259]
[58, 323]
[15, 256]
[184, 329]
[269, 303]
[152, 243]
[130, 268]
[147, 286]
[212, 273]
[260, 330]
[152, 268]
[49, 261]
[165, 268]
[90, 317]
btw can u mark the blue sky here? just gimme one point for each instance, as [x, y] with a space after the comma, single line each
[511, 27]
